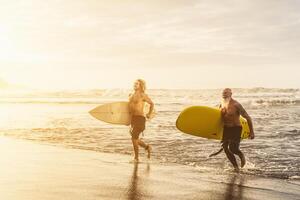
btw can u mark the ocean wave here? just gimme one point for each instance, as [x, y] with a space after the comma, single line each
[252, 104]
[252, 97]
[267, 90]
[294, 177]
[278, 102]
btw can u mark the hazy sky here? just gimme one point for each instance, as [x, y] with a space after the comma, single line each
[171, 44]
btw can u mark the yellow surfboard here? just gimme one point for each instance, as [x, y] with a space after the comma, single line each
[206, 122]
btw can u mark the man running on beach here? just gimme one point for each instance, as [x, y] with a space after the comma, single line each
[231, 111]
[138, 120]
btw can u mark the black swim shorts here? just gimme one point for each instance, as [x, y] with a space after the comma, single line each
[232, 134]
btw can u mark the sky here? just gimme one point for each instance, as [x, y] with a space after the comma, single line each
[88, 44]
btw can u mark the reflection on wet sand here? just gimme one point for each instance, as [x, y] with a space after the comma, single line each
[234, 190]
[136, 189]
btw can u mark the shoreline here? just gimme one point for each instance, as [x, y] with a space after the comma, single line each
[30, 170]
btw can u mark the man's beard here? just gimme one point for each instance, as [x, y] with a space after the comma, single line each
[225, 102]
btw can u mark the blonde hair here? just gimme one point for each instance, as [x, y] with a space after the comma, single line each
[142, 84]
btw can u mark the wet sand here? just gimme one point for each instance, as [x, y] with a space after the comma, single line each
[36, 171]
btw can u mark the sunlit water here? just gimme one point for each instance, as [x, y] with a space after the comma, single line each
[62, 118]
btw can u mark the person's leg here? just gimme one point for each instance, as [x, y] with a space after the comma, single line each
[243, 159]
[135, 142]
[142, 144]
[138, 128]
[135, 148]
[141, 128]
[147, 147]
[234, 147]
[135, 136]
[229, 154]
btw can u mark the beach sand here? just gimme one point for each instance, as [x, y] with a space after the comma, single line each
[37, 171]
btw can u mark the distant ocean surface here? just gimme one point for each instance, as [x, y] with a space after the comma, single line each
[62, 118]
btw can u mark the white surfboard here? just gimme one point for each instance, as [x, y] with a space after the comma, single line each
[115, 113]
